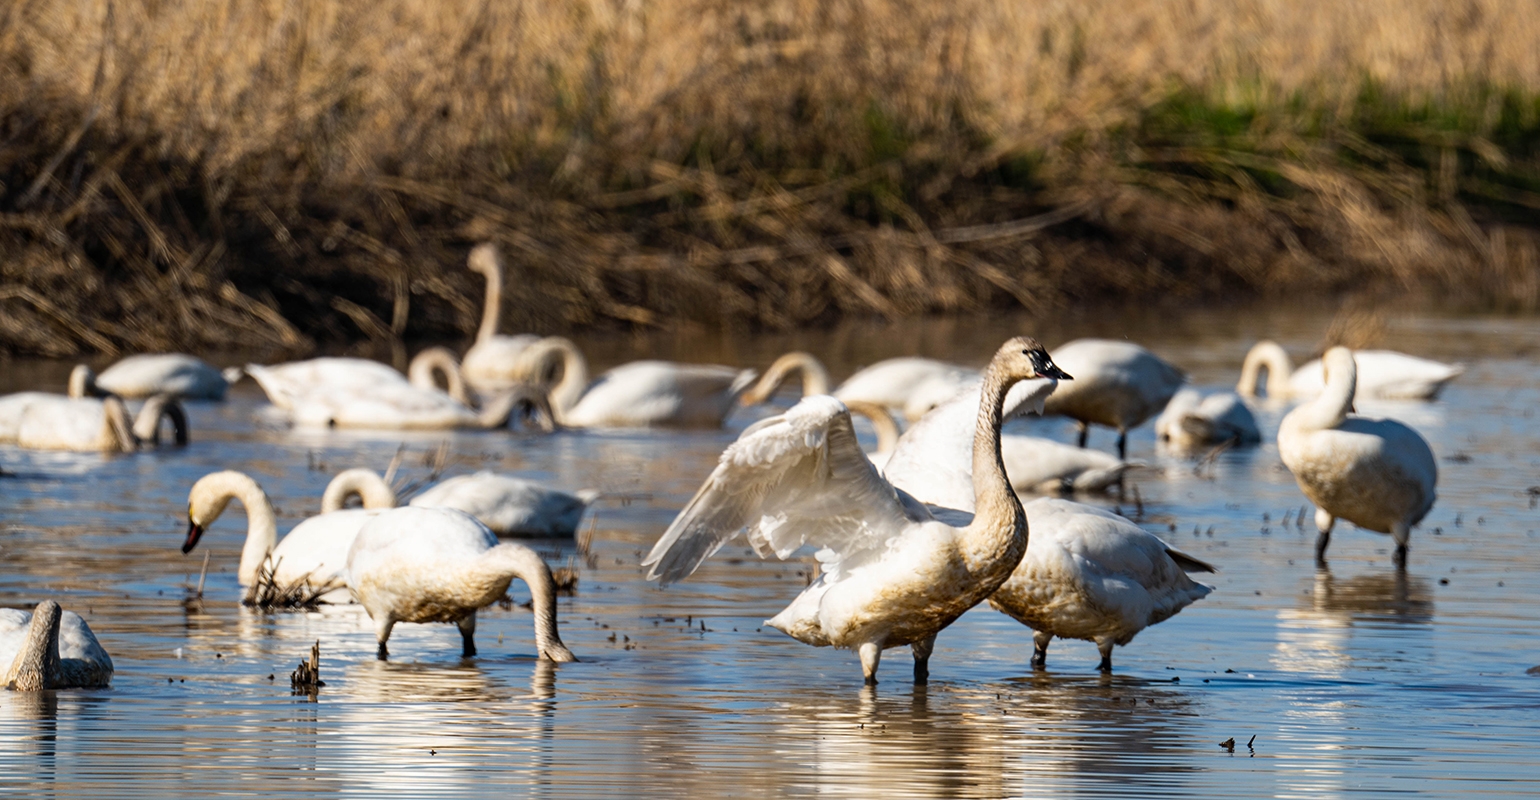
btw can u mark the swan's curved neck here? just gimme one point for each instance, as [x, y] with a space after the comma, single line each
[882, 422]
[365, 483]
[216, 491]
[492, 309]
[1331, 407]
[119, 431]
[574, 371]
[1274, 359]
[36, 666]
[82, 381]
[420, 372]
[815, 379]
[511, 560]
[161, 406]
[998, 519]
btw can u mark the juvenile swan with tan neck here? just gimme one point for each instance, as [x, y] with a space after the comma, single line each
[50, 648]
[892, 575]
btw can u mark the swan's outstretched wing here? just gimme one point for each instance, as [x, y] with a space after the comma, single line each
[794, 479]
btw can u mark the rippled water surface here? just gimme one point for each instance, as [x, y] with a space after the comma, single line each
[1354, 680]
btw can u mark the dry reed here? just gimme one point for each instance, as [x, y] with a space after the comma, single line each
[277, 173]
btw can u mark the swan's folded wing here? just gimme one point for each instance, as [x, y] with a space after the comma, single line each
[795, 479]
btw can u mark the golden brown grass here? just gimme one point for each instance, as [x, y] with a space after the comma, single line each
[281, 172]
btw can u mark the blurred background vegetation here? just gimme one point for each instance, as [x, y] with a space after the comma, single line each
[283, 174]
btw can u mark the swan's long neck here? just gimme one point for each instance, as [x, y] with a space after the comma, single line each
[1331, 408]
[36, 666]
[511, 560]
[999, 525]
[147, 424]
[119, 432]
[216, 491]
[815, 379]
[882, 422]
[1273, 358]
[438, 359]
[574, 371]
[82, 381]
[365, 483]
[492, 309]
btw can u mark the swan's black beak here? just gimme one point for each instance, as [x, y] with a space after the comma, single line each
[1045, 366]
[194, 533]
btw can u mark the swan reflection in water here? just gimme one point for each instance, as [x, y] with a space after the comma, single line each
[1318, 636]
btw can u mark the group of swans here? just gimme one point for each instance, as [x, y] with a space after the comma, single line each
[76, 422]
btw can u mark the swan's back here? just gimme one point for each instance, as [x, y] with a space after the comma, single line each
[1220, 417]
[1091, 574]
[1035, 464]
[1372, 472]
[1382, 375]
[317, 548]
[644, 393]
[491, 364]
[56, 422]
[1115, 383]
[420, 563]
[283, 383]
[510, 506]
[913, 384]
[176, 374]
[83, 662]
[12, 407]
[385, 406]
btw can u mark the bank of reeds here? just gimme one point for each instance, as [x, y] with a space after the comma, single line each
[281, 173]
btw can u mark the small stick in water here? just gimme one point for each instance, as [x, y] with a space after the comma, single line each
[203, 573]
[306, 677]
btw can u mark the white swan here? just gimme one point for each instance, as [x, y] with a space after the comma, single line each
[510, 506]
[931, 460]
[492, 364]
[1376, 473]
[911, 384]
[1117, 384]
[883, 425]
[1093, 575]
[1191, 421]
[12, 406]
[315, 551]
[1382, 375]
[635, 395]
[405, 407]
[284, 383]
[89, 424]
[892, 575]
[441, 565]
[49, 648]
[176, 374]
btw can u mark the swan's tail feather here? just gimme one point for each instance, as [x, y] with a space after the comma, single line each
[1188, 563]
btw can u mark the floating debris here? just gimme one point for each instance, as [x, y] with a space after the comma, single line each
[566, 580]
[1228, 744]
[306, 678]
[267, 593]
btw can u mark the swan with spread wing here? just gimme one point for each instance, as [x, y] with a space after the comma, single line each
[892, 574]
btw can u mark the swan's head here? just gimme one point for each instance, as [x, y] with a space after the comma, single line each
[485, 259]
[1024, 357]
[205, 502]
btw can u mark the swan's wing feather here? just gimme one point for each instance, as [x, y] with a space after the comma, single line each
[1188, 563]
[798, 478]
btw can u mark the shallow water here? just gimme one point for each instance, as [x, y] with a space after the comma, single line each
[1355, 680]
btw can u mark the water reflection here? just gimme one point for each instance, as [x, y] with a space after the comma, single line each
[1317, 637]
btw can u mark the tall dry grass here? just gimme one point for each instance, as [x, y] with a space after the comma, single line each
[282, 172]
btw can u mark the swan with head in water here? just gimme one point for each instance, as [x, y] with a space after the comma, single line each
[492, 364]
[176, 374]
[635, 395]
[50, 648]
[401, 407]
[1382, 375]
[315, 551]
[1119, 385]
[89, 424]
[509, 505]
[1377, 473]
[911, 384]
[892, 574]
[441, 565]
[1191, 421]
[286, 383]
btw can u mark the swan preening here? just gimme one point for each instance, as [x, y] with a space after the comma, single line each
[89, 424]
[49, 648]
[441, 565]
[912, 385]
[1192, 420]
[1376, 473]
[1117, 384]
[176, 374]
[892, 574]
[285, 384]
[1382, 375]
[1091, 574]
[491, 364]
[635, 395]
[508, 505]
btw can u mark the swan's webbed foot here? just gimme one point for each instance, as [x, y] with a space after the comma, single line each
[468, 637]
[382, 653]
[1106, 649]
[1040, 642]
[1399, 559]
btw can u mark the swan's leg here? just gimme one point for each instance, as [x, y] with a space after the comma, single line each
[1122, 448]
[1085, 430]
[870, 654]
[468, 635]
[1401, 534]
[1105, 646]
[1040, 640]
[382, 626]
[922, 658]
[1323, 522]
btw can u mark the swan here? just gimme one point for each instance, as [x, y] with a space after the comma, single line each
[1376, 473]
[89, 424]
[635, 395]
[931, 459]
[892, 574]
[406, 407]
[284, 383]
[492, 364]
[440, 565]
[913, 385]
[1382, 375]
[1093, 575]
[1191, 421]
[1120, 385]
[176, 374]
[49, 648]
[315, 551]
[510, 506]
[883, 425]
[13, 405]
